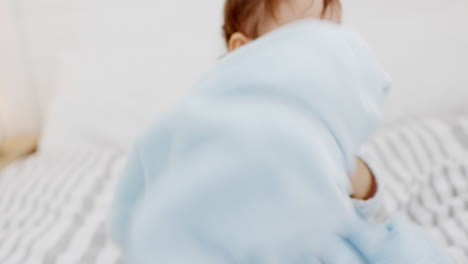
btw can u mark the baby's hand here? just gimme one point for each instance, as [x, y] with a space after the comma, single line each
[363, 182]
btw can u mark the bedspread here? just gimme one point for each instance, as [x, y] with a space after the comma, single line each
[53, 206]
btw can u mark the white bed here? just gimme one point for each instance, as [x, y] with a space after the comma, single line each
[54, 205]
[90, 93]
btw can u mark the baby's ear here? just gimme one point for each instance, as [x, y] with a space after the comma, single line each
[237, 40]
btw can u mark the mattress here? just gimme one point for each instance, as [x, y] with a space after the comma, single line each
[53, 206]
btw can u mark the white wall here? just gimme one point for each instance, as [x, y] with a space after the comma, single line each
[32, 33]
[47, 32]
[424, 46]
[17, 104]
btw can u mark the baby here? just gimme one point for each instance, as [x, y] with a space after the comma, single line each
[253, 166]
[244, 21]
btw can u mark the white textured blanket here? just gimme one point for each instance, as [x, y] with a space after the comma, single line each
[425, 168]
[53, 206]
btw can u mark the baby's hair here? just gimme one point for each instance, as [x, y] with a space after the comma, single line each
[245, 15]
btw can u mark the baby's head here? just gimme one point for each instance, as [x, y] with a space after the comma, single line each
[246, 20]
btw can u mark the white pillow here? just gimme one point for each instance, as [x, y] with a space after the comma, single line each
[423, 45]
[135, 60]
[106, 97]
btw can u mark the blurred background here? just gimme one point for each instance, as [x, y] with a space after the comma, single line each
[51, 49]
